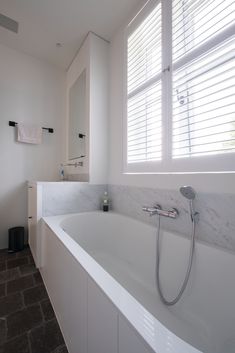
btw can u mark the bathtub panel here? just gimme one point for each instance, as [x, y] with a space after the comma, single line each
[102, 322]
[66, 283]
[105, 246]
[129, 340]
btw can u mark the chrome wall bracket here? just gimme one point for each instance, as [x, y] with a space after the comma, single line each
[75, 164]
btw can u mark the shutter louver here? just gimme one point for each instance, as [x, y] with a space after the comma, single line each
[197, 21]
[204, 85]
[144, 123]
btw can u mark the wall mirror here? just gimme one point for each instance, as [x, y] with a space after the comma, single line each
[77, 118]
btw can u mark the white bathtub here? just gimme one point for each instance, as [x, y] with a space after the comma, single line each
[118, 254]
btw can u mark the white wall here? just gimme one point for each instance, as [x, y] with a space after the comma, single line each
[210, 182]
[31, 91]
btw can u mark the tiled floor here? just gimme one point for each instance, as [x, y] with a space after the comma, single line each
[27, 320]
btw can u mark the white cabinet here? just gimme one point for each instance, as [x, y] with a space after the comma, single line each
[66, 284]
[102, 322]
[129, 340]
[34, 215]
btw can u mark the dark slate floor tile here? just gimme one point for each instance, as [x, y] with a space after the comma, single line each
[3, 330]
[3, 266]
[23, 320]
[46, 338]
[47, 310]
[2, 290]
[17, 262]
[3, 252]
[9, 275]
[27, 269]
[20, 284]
[61, 349]
[10, 303]
[23, 253]
[17, 345]
[31, 260]
[35, 294]
[37, 277]
[4, 255]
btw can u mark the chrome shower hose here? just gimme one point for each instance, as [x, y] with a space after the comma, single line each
[190, 261]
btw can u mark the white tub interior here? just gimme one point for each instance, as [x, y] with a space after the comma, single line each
[125, 248]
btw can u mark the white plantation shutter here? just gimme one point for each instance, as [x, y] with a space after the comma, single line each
[144, 120]
[204, 84]
[181, 87]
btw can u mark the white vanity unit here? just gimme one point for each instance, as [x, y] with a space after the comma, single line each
[34, 215]
[56, 198]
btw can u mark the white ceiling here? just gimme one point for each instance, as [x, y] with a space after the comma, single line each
[43, 23]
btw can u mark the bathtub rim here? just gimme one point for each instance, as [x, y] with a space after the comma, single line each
[197, 241]
[125, 303]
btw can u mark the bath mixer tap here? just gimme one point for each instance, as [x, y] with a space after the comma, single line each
[152, 210]
[171, 213]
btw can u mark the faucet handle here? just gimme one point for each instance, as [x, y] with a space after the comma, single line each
[157, 206]
[173, 213]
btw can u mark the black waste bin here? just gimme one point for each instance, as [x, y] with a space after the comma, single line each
[15, 239]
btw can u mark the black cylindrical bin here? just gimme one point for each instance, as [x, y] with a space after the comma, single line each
[15, 239]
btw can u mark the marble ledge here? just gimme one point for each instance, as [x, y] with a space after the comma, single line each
[71, 197]
[216, 225]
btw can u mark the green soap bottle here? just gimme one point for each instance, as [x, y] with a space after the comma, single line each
[105, 202]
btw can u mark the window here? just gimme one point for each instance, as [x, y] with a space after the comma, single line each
[181, 87]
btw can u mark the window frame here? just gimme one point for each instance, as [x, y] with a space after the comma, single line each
[224, 162]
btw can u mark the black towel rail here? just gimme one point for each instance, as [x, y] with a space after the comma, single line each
[13, 123]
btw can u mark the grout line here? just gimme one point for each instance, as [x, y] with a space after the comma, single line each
[29, 343]
[35, 282]
[22, 296]
[43, 317]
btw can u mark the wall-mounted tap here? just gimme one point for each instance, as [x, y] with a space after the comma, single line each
[171, 213]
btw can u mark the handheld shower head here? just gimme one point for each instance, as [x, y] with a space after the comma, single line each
[188, 192]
